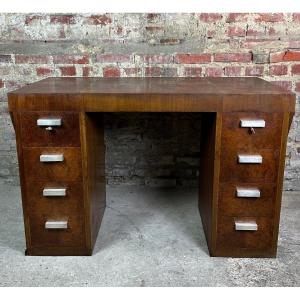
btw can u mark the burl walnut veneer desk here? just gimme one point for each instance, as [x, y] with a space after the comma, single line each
[61, 152]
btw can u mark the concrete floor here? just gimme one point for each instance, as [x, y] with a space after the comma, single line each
[149, 237]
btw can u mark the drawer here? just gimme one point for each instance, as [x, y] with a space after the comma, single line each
[244, 204]
[72, 236]
[48, 197]
[233, 170]
[234, 136]
[67, 170]
[64, 134]
[229, 237]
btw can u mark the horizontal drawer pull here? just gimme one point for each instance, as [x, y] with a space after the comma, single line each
[245, 225]
[49, 122]
[61, 192]
[56, 225]
[51, 157]
[253, 123]
[249, 192]
[250, 159]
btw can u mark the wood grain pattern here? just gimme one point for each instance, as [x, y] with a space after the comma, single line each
[234, 137]
[72, 203]
[208, 180]
[229, 238]
[68, 170]
[93, 164]
[66, 135]
[80, 102]
[152, 95]
[231, 205]
[232, 170]
[71, 237]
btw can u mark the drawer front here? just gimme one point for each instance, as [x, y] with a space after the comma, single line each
[69, 169]
[247, 236]
[50, 129]
[234, 136]
[233, 170]
[62, 231]
[230, 204]
[48, 197]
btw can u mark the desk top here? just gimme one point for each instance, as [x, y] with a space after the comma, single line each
[153, 85]
[152, 94]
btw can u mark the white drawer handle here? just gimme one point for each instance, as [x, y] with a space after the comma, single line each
[245, 225]
[61, 192]
[250, 159]
[56, 225]
[49, 122]
[247, 193]
[51, 157]
[252, 123]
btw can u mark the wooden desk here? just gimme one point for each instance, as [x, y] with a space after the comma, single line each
[61, 152]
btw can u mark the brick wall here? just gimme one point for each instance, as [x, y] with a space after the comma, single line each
[36, 46]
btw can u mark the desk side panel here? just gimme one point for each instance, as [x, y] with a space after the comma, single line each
[209, 175]
[93, 162]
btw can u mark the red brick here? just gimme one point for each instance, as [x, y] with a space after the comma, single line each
[71, 59]
[210, 17]
[236, 31]
[170, 41]
[119, 30]
[278, 70]
[295, 69]
[160, 71]
[296, 17]
[62, 33]
[99, 20]
[154, 28]
[155, 58]
[292, 56]
[132, 72]
[1, 84]
[256, 43]
[213, 71]
[33, 19]
[210, 33]
[271, 31]
[111, 58]
[193, 58]
[152, 17]
[43, 71]
[62, 19]
[255, 32]
[233, 57]
[287, 85]
[68, 71]
[32, 59]
[233, 71]
[277, 56]
[297, 89]
[269, 17]
[237, 17]
[294, 44]
[254, 71]
[86, 71]
[192, 72]
[285, 56]
[111, 72]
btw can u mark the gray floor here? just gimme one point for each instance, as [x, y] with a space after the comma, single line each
[149, 237]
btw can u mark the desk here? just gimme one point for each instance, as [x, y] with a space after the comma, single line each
[61, 153]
